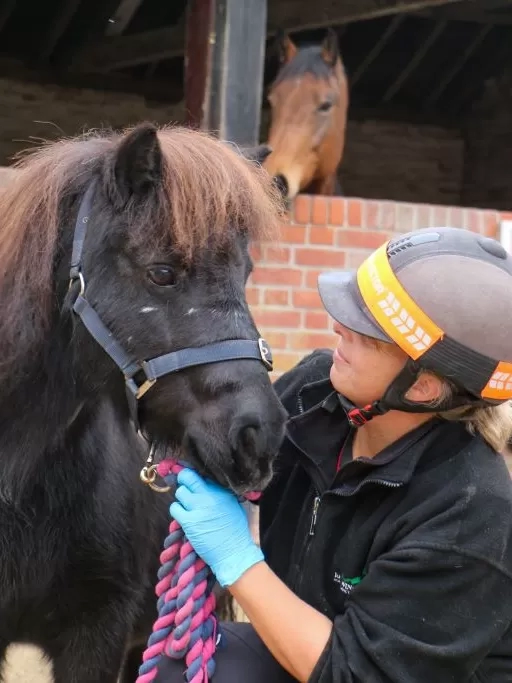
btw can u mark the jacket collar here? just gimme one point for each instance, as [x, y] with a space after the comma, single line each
[314, 394]
[322, 414]
[397, 463]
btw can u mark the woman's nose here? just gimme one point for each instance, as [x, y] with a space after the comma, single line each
[342, 331]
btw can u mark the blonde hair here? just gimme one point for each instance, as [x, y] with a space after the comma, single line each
[493, 422]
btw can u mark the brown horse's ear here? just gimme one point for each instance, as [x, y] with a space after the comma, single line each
[257, 154]
[286, 48]
[330, 47]
[137, 166]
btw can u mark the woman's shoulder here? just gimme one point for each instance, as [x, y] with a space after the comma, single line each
[464, 500]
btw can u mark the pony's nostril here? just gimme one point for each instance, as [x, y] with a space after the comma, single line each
[282, 184]
[248, 437]
[245, 434]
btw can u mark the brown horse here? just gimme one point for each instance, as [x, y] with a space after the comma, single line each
[309, 101]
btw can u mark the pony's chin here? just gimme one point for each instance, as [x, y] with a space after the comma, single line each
[251, 487]
[250, 490]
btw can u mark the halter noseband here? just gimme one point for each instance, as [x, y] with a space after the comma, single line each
[140, 376]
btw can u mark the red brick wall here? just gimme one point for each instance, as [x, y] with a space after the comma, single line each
[324, 233]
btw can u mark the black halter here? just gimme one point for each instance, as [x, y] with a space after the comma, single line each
[141, 375]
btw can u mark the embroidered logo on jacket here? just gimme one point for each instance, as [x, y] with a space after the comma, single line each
[347, 584]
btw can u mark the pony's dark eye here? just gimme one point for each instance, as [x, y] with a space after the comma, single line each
[161, 275]
[325, 106]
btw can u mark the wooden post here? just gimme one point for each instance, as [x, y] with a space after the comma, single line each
[198, 50]
[224, 64]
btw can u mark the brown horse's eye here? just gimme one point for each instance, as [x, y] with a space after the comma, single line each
[325, 106]
[162, 275]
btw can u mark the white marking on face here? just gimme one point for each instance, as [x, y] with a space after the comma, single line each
[147, 309]
[191, 311]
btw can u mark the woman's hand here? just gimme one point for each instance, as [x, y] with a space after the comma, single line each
[216, 525]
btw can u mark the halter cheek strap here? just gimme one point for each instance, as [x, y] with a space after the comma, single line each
[140, 376]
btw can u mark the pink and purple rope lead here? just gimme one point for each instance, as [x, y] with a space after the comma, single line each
[186, 626]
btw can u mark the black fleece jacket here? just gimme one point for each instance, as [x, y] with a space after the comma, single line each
[408, 553]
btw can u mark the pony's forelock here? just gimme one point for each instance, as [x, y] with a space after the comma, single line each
[211, 192]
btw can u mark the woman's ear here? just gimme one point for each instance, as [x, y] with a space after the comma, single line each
[428, 388]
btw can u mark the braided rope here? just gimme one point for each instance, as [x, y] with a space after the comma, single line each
[186, 626]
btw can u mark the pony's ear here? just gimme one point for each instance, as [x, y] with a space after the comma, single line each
[285, 47]
[330, 47]
[137, 165]
[257, 154]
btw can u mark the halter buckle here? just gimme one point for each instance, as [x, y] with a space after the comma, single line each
[266, 354]
[138, 390]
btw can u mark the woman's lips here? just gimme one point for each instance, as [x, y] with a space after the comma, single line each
[338, 356]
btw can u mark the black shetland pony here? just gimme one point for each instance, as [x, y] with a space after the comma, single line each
[160, 261]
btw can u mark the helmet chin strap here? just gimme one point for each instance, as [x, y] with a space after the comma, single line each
[394, 399]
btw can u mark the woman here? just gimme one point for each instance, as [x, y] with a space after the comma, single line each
[387, 529]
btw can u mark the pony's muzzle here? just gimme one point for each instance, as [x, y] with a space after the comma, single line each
[240, 457]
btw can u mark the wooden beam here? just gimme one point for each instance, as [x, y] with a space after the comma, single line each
[449, 75]
[377, 48]
[415, 61]
[6, 9]
[119, 52]
[294, 15]
[479, 14]
[157, 91]
[122, 17]
[487, 68]
[65, 13]
[400, 113]
[297, 15]
[87, 30]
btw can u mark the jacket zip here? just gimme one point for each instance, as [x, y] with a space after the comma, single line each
[316, 505]
[300, 404]
[316, 501]
[381, 482]
[314, 518]
[295, 583]
[312, 524]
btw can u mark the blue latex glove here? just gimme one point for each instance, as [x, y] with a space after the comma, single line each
[216, 525]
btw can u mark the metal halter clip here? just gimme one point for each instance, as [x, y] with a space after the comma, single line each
[79, 276]
[148, 473]
[266, 354]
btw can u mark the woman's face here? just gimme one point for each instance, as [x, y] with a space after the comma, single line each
[362, 368]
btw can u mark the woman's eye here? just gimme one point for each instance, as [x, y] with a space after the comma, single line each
[163, 276]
